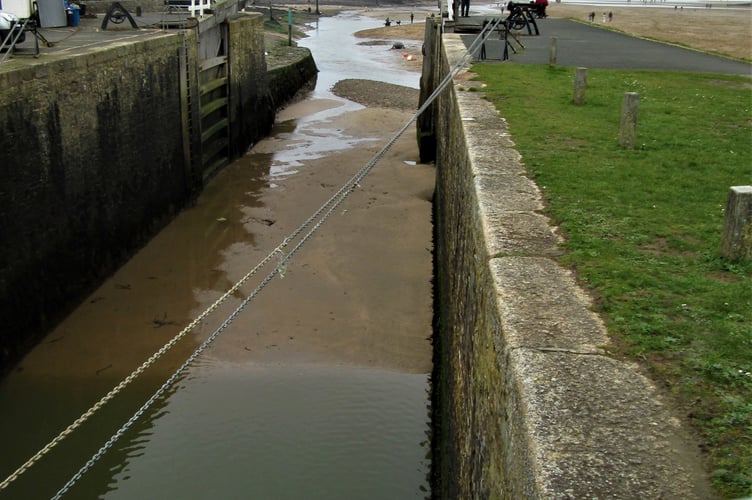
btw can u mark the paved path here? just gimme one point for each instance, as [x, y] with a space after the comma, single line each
[580, 44]
[88, 36]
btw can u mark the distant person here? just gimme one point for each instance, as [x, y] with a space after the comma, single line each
[591, 17]
[540, 8]
[412, 16]
[610, 16]
[465, 8]
[604, 18]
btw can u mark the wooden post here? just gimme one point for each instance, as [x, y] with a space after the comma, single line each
[628, 130]
[736, 243]
[289, 27]
[553, 54]
[580, 84]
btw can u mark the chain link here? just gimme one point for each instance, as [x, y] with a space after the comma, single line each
[168, 383]
[125, 382]
[279, 269]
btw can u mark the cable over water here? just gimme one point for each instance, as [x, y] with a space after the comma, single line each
[320, 215]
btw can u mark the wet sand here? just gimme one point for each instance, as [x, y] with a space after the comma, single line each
[358, 293]
[718, 29]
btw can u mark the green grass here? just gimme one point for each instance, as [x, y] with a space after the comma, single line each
[643, 228]
[277, 22]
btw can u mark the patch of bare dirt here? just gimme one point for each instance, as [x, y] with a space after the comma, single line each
[718, 29]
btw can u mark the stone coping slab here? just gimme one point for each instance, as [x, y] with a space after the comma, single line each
[541, 306]
[598, 430]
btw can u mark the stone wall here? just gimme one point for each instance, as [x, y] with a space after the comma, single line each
[528, 403]
[252, 106]
[293, 71]
[91, 164]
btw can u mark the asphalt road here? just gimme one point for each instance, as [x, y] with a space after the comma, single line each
[579, 44]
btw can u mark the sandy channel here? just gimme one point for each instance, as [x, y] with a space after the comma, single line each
[358, 293]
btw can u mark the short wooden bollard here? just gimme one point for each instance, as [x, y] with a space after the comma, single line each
[580, 84]
[554, 49]
[628, 129]
[736, 243]
[289, 27]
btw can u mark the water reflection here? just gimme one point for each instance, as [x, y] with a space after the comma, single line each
[282, 432]
[347, 57]
[44, 400]
[119, 326]
[295, 141]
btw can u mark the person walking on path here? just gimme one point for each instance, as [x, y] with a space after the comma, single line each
[464, 8]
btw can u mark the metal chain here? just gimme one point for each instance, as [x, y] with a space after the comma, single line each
[125, 382]
[279, 269]
[333, 202]
[90, 463]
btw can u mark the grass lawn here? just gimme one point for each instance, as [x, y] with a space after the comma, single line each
[643, 228]
[276, 22]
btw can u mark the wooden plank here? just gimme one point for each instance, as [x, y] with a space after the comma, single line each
[213, 85]
[212, 62]
[212, 149]
[213, 130]
[213, 106]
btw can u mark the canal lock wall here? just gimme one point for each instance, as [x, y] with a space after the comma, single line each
[527, 402]
[99, 150]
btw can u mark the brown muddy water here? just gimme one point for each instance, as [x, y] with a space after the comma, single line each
[319, 388]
